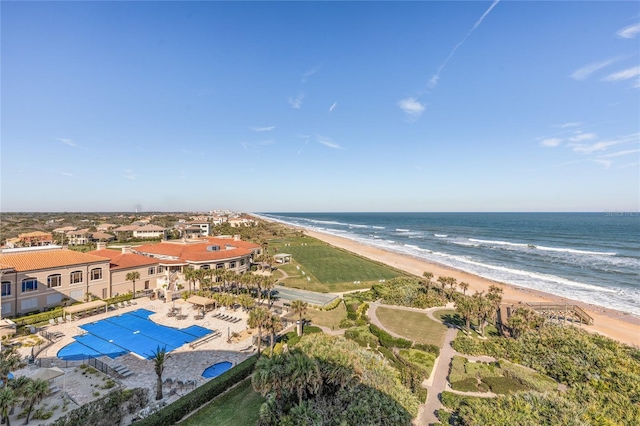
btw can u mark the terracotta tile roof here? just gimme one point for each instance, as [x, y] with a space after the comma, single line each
[150, 228]
[197, 252]
[35, 260]
[126, 228]
[35, 234]
[102, 235]
[121, 260]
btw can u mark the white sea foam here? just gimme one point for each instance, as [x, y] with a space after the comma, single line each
[327, 222]
[576, 251]
[440, 235]
[352, 225]
[412, 246]
[402, 230]
[506, 243]
[378, 227]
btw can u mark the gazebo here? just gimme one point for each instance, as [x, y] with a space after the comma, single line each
[282, 258]
[84, 307]
[204, 302]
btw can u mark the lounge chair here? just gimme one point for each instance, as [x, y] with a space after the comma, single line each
[133, 302]
[112, 307]
[52, 321]
[69, 318]
[60, 320]
[121, 305]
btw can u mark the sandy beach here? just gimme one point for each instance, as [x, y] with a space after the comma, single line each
[617, 325]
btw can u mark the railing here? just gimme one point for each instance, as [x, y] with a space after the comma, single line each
[562, 311]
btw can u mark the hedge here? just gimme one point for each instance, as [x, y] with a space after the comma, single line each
[172, 413]
[388, 340]
[427, 348]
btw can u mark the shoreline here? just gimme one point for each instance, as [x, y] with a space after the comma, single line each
[621, 326]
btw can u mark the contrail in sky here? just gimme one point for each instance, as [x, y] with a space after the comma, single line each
[434, 80]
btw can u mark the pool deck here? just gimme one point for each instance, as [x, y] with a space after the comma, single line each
[184, 364]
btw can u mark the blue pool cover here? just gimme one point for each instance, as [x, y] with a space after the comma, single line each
[216, 369]
[130, 332]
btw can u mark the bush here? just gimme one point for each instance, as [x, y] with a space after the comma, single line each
[388, 340]
[427, 348]
[362, 336]
[444, 416]
[331, 306]
[171, 414]
[504, 385]
[346, 323]
[108, 410]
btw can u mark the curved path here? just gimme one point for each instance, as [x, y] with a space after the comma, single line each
[437, 381]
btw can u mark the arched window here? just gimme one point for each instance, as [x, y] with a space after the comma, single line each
[96, 274]
[29, 284]
[54, 280]
[76, 277]
[205, 267]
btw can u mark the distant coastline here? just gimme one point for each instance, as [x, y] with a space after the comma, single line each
[618, 325]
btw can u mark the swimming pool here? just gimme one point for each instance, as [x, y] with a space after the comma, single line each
[216, 369]
[132, 332]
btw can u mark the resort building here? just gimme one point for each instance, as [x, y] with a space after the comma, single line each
[40, 278]
[78, 237]
[31, 239]
[142, 231]
[122, 262]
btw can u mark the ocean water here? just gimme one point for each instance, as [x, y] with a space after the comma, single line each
[590, 257]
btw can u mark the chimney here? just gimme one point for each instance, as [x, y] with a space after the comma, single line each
[126, 249]
[101, 246]
[236, 237]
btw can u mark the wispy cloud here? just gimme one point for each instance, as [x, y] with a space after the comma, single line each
[580, 137]
[296, 102]
[603, 145]
[433, 82]
[333, 105]
[328, 142]
[308, 74]
[69, 174]
[254, 146]
[411, 107]
[306, 141]
[623, 75]
[584, 72]
[67, 141]
[620, 153]
[567, 125]
[551, 142]
[629, 32]
[263, 129]
[129, 174]
[605, 163]
[624, 166]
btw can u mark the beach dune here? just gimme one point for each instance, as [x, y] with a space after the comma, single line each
[617, 325]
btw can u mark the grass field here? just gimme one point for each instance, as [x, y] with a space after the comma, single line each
[326, 268]
[239, 406]
[329, 319]
[414, 326]
[452, 317]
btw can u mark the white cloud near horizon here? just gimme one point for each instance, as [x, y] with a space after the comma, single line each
[629, 32]
[620, 153]
[624, 166]
[411, 106]
[129, 174]
[569, 124]
[601, 146]
[69, 174]
[623, 75]
[332, 106]
[327, 142]
[296, 103]
[551, 142]
[263, 129]
[67, 142]
[584, 72]
[433, 82]
[605, 163]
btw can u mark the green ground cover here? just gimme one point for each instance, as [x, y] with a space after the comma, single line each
[239, 406]
[329, 269]
[420, 359]
[329, 319]
[411, 325]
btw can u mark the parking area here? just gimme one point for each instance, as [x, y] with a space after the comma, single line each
[286, 294]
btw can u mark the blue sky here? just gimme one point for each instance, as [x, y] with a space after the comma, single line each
[320, 106]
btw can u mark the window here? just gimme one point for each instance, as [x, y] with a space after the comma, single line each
[29, 284]
[96, 274]
[152, 270]
[6, 308]
[241, 262]
[146, 285]
[205, 267]
[29, 304]
[6, 289]
[76, 277]
[220, 266]
[54, 280]
[160, 269]
[232, 265]
[77, 294]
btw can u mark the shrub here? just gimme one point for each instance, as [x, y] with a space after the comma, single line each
[362, 336]
[504, 385]
[444, 416]
[172, 413]
[108, 410]
[427, 348]
[346, 323]
[331, 306]
[388, 340]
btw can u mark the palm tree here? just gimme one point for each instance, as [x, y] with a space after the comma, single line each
[32, 394]
[160, 356]
[303, 375]
[246, 301]
[268, 284]
[258, 318]
[453, 283]
[483, 307]
[464, 286]
[269, 377]
[466, 307]
[133, 276]
[190, 274]
[8, 400]
[274, 325]
[443, 283]
[427, 283]
[300, 308]
[10, 360]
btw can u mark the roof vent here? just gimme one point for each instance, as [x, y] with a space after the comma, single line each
[213, 248]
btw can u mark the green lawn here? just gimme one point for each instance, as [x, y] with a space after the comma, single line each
[452, 317]
[329, 319]
[414, 326]
[239, 406]
[329, 269]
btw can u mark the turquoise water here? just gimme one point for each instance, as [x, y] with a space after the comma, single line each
[216, 369]
[590, 257]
